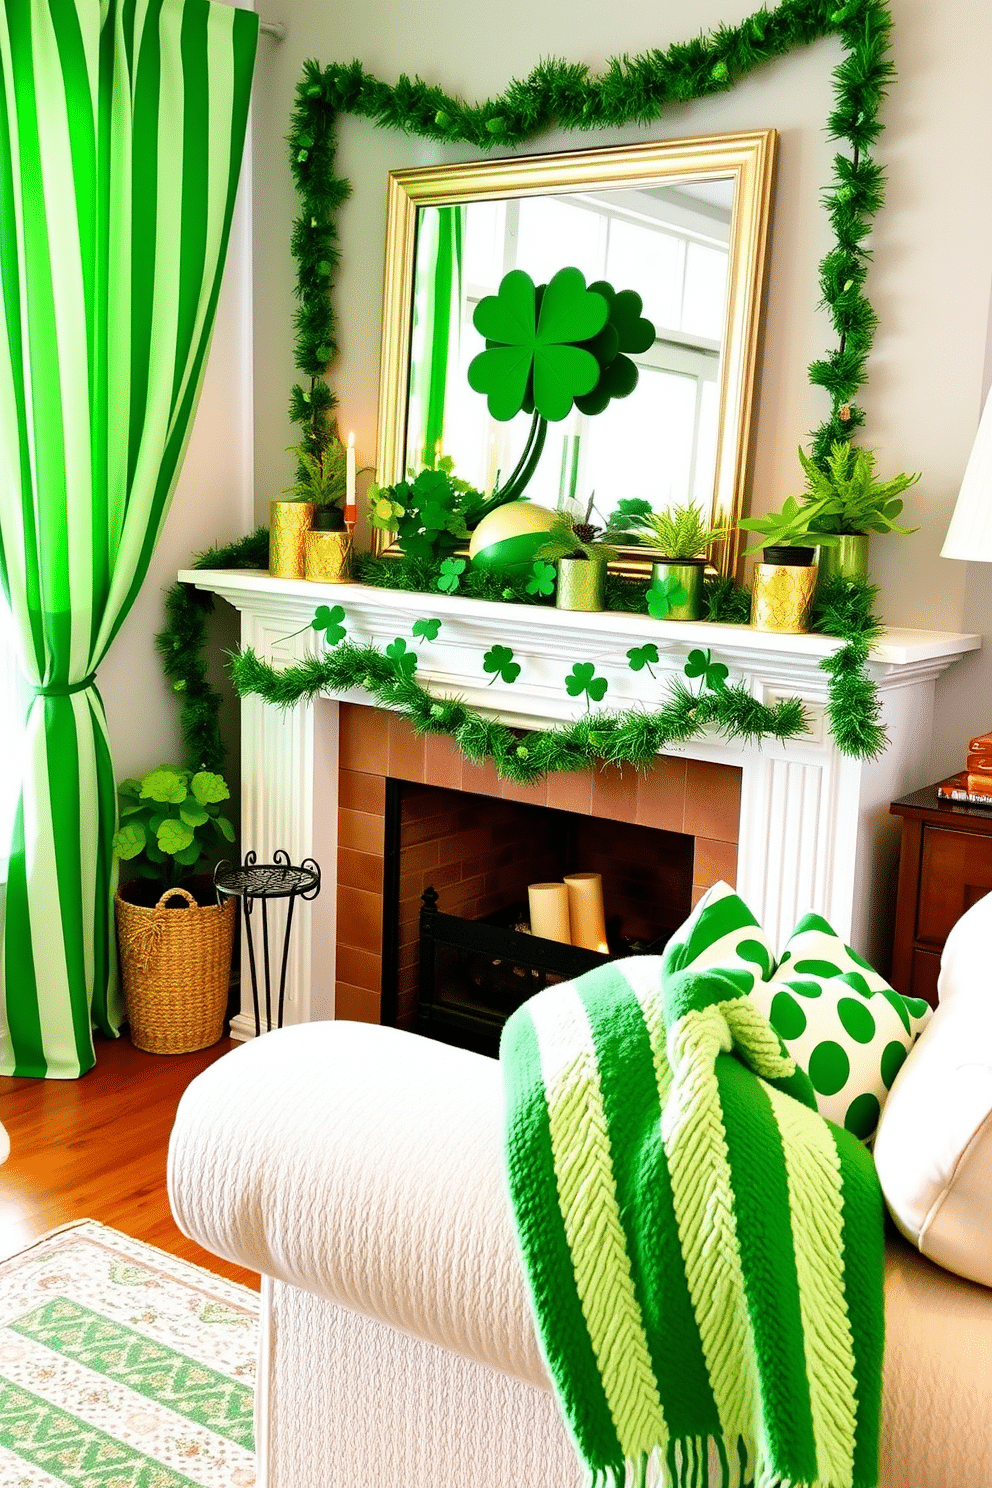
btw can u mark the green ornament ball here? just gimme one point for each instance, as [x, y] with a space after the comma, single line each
[508, 539]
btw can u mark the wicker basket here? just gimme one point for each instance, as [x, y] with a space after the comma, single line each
[177, 966]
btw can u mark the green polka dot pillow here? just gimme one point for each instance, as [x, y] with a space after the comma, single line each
[841, 1022]
[721, 931]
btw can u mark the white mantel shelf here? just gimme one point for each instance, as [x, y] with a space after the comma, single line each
[815, 829]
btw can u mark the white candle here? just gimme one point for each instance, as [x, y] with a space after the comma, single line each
[585, 908]
[549, 911]
[350, 505]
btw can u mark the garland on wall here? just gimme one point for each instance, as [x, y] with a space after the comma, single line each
[181, 646]
[631, 90]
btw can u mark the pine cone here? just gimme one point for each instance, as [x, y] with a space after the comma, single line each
[586, 532]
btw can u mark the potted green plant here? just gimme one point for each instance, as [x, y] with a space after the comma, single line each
[682, 534]
[842, 504]
[581, 556]
[175, 940]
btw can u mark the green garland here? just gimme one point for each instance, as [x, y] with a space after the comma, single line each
[633, 737]
[630, 90]
[844, 608]
[181, 643]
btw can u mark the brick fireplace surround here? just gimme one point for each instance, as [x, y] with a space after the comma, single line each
[697, 797]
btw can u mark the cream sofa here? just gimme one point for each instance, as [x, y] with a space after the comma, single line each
[358, 1168]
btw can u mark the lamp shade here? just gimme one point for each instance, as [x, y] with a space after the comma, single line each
[970, 533]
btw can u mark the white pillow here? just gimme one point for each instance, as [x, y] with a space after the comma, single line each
[933, 1150]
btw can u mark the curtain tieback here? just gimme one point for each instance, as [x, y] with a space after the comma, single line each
[65, 689]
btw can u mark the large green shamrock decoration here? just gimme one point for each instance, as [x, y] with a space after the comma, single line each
[534, 358]
[626, 330]
[701, 664]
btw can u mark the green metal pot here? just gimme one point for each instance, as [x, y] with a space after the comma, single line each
[688, 572]
[581, 584]
[848, 560]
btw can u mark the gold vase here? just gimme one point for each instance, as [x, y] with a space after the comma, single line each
[581, 584]
[782, 597]
[328, 557]
[289, 523]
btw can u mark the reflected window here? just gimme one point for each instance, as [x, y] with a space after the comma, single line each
[671, 245]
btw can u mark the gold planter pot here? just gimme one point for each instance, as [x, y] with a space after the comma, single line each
[289, 523]
[782, 597]
[848, 560]
[690, 576]
[581, 584]
[328, 557]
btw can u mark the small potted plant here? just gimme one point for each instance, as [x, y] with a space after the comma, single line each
[682, 535]
[175, 939]
[842, 504]
[581, 558]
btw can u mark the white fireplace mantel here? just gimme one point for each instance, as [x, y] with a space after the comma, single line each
[814, 832]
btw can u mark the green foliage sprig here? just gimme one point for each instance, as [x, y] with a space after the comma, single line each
[432, 515]
[679, 532]
[630, 90]
[170, 821]
[321, 477]
[841, 497]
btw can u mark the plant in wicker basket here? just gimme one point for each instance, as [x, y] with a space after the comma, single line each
[175, 942]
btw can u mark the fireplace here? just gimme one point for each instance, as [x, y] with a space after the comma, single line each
[813, 826]
[679, 822]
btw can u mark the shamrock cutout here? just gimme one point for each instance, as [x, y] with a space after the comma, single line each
[451, 572]
[403, 660]
[583, 679]
[329, 621]
[713, 673]
[626, 330]
[533, 357]
[663, 597]
[640, 657]
[427, 630]
[542, 578]
[499, 660]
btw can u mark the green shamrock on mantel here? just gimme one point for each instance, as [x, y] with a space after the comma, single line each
[329, 621]
[426, 630]
[713, 673]
[583, 679]
[499, 660]
[542, 578]
[403, 660]
[533, 356]
[451, 574]
[639, 657]
[663, 597]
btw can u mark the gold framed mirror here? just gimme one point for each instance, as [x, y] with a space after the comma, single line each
[685, 223]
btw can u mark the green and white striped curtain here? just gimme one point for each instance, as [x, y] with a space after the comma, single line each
[122, 125]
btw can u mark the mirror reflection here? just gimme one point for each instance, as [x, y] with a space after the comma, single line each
[681, 223]
[671, 245]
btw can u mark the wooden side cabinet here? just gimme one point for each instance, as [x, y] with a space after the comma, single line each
[945, 865]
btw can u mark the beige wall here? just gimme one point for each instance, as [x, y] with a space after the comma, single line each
[930, 281]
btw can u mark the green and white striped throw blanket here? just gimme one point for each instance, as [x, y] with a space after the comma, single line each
[704, 1252]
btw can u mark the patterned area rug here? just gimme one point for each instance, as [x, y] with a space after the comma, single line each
[123, 1367]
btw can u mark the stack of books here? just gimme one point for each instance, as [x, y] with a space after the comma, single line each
[973, 784]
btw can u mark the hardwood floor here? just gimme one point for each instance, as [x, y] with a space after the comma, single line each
[96, 1148]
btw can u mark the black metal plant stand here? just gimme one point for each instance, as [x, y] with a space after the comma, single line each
[276, 880]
